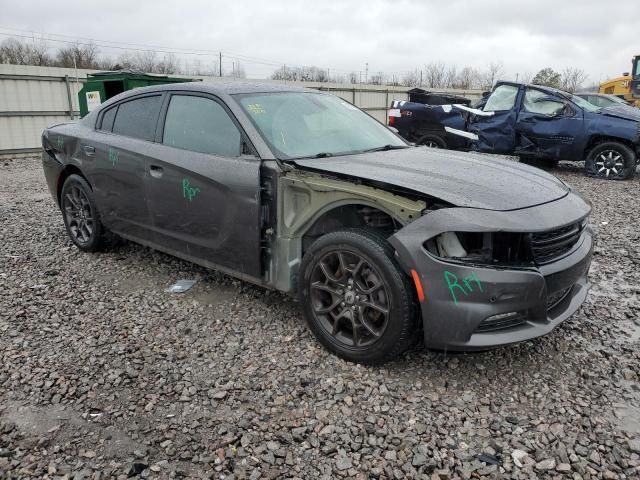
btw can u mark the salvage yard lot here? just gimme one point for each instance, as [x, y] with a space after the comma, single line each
[102, 371]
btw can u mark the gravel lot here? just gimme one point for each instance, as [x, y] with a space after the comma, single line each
[103, 374]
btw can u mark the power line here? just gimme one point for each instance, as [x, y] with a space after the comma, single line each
[148, 48]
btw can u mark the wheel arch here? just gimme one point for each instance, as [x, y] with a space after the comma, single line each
[310, 205]
[66, 172]
[596, 140]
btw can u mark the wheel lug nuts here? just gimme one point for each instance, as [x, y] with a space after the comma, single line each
[342, 304]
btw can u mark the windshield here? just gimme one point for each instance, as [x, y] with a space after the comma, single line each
[582, 103]
[305, 124]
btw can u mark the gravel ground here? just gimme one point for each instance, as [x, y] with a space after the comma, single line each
[103, 374]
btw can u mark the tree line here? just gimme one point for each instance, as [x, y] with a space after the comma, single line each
[87, 55]
[431, 75]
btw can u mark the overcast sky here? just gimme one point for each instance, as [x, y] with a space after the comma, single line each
[395, 36]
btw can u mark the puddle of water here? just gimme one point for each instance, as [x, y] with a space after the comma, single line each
[212, 296]
[627, 418]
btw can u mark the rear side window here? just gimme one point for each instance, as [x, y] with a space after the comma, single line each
[108, 118]
[202, 125]
[502, 98]
[138, 118]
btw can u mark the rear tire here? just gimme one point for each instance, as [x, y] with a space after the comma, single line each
[611, 161]
[432, 141]
[357, 301]
[81, 216]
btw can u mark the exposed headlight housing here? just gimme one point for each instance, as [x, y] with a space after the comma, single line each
[486, 248]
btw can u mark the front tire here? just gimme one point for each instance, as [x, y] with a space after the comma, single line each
[356, 299]
[80, 215]
[611, 161]
[432, 141]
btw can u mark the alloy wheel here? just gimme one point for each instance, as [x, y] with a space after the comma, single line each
[79, 215]
[609, 161]
[349, 298]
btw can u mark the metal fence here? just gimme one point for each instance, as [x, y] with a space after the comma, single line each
[32, 98]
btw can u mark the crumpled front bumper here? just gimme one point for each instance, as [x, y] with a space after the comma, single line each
[460, 299]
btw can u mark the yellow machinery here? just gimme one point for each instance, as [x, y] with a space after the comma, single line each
[626, 86]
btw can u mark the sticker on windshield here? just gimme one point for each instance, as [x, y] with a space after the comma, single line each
[255, 108]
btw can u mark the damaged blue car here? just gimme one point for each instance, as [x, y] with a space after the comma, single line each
[539, 124]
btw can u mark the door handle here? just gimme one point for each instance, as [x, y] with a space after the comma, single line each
[89, 150]
[156, 171]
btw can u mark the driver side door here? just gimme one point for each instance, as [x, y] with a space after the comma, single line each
[550, 129]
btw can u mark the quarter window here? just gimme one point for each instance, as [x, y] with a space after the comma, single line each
[138, 118]
[108, 118]
[200, 124]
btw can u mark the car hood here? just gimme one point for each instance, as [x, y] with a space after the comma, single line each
[626, 112]
[461, 179]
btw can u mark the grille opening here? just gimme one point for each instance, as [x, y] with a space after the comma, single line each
[549, 245]
[502, 321]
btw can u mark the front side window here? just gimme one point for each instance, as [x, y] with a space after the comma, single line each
[138, 118]
[200, 124]
[533, 103]
[306, 124]
[502, 98]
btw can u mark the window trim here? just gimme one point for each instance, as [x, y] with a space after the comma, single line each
[244, 138]
[98, 124]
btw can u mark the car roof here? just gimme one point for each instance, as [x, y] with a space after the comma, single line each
[221, 88]
[544, 88]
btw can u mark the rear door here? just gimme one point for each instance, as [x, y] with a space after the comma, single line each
[118, 150]
[496, 133]
[549, 129]
[203, 190]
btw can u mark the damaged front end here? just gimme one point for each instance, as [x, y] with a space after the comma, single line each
[497, 277]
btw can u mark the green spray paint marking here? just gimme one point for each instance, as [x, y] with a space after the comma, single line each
[466, 288]
[113, 156]
[60, 142]
[188, 191]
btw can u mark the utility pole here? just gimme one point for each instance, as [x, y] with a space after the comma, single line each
[220, 63]
[366, 72]
[421, 78]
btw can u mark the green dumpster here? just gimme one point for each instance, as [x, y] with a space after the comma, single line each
[102, 86]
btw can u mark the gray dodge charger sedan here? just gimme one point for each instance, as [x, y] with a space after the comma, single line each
[300, 191]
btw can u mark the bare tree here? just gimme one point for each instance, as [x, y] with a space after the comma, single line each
[411, 79]
[24, 53]
[238, 70]
[467, 78]
[450, 76]
[79, 56]
[434, 75]
[353, 77]
[491, 74]
[168, 65]
[377, 79]
[572, 79]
